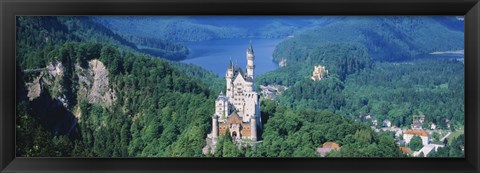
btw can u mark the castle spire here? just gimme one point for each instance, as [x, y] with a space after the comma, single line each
[231, 64]
[250, 48]
[250, 59]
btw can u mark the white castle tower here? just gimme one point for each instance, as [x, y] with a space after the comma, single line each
[229, 78]
[250, 58]
[238, 111]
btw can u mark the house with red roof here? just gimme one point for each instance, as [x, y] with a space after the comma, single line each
[327, 147]
[409, 134]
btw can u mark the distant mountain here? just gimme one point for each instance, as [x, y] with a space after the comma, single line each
[199, 28]
[388, 38]
[177, 29]
[454, 23]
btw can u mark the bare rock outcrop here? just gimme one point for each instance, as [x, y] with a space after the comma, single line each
[53, 72]
[93, 83]
[34, 88]
[100, 91]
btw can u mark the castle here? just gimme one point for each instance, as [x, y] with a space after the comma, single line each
[319, 72]
[238, 110]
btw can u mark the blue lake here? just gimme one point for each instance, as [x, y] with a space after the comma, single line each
[214, 55]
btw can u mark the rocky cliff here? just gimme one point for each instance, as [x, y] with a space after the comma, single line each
[93, 83]
[50, 99]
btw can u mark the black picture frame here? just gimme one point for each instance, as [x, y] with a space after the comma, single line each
[9, 9]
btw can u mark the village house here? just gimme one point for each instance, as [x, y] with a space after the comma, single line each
[433, 126]
[327, 147]
[374, 121]
[416, 125]
[387, 123]
[368, 117]
[398, 131]
[409, 134]
[417, 122]
[272, 91]
[427, 149]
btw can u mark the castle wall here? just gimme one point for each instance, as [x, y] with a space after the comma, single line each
[246, 130]
[250, 105]
[222, 128]
[238, 99]
[214, 127]
[253, 133]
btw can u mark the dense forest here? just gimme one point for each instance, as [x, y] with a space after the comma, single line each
[297, 133]
[358, 86]
[388, 91]
[85, 89]
[51, 30]
[173, 114]
[174, 111]
[366, 77]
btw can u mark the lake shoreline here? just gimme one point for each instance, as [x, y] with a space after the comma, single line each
[215, 55]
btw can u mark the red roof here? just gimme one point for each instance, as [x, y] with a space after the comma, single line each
[416, 132]
[234, 119]
[331, 145]
[405, 150]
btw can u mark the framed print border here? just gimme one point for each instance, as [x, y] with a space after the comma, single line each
[9, 9]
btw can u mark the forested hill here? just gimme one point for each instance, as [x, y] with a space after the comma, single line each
[200, 28]
[378, 66]
[37, 35]
[91, 95]
[388, 38]
[46, 31]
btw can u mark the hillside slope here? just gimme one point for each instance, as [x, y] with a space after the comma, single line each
[388, 38]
